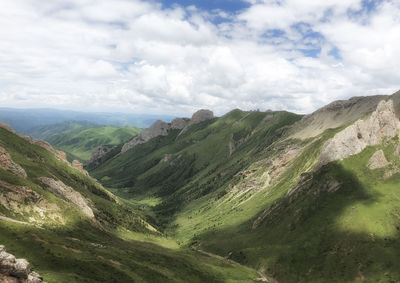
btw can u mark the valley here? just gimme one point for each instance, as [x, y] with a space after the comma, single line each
[249, 196]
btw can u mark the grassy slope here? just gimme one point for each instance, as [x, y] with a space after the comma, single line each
[78, 251]
[348, 235]
[352, 233]
[79, 139]
[200, 161]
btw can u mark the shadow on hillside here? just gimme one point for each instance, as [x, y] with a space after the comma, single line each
[307, 239]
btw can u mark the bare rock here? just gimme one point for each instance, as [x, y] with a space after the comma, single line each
[79, 166]
[334, 115]
[8, 164]
[16, 270]
[159, 128]
[61, 190]
[179, 123]
[98, 153]
[382, 123]
[201, 115]
[198, 117]
[377, 160]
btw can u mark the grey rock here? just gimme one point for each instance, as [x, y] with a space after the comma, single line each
[159, 128]
[179, 123]
[377, 160]
[61, 190]
[383, 123]
[16, 270]
[8, 164]
[98, 153]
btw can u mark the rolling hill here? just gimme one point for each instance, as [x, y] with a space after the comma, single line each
[80, 138]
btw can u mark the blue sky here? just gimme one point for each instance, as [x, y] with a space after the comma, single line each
[229, 6]
[174, 57]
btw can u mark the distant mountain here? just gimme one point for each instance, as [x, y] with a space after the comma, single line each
[23, 120]
[80, 138]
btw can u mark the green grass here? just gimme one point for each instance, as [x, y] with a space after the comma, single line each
[119, 246]
[79, 139]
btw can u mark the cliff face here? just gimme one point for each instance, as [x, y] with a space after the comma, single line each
[383, 123]
[8, 164]
[160, 128]
[98, 153]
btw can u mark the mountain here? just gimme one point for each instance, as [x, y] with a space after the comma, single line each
[70, 229]
[302, 199]
[80, 138]
[23, 120]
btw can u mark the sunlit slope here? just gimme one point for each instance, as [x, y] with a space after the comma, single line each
[79, 138]
[64, 243]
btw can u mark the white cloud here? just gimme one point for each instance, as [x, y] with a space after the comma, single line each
[135, 56]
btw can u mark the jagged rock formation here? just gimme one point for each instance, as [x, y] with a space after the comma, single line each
[61, 190]
[382, 123]
[8, 164]
[179, 123]
[79, 166]
[98, 153]
[160, 128]
[377, 160]
[198, 117]
[14, 270]
[335, 114]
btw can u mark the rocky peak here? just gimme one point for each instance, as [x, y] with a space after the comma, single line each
[16, 270]
[159, 128]
[383, 123]
[201, 115]
[179, 123]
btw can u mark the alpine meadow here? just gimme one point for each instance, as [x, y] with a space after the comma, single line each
[199, 141]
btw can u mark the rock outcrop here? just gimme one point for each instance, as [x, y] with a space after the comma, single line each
[79, 166]
[16, 270]
[383, 123]
[160, 128]
[8, 164]
[377, 160]
[198, 117]
[99, 153]
[179, 123]
[67, 193]
[334, 115]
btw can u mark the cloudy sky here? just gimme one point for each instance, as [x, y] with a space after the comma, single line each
[176, 56]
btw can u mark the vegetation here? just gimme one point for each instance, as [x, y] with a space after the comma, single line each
[79, 138]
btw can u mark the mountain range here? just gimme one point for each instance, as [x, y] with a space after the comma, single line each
[250, 196]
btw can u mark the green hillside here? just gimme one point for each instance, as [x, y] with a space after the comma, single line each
[240, 187]
[79, 138]
[65, 244]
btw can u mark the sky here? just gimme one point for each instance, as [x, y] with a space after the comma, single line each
[177, 56]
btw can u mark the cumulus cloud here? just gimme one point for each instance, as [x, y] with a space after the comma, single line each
[138, 56]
